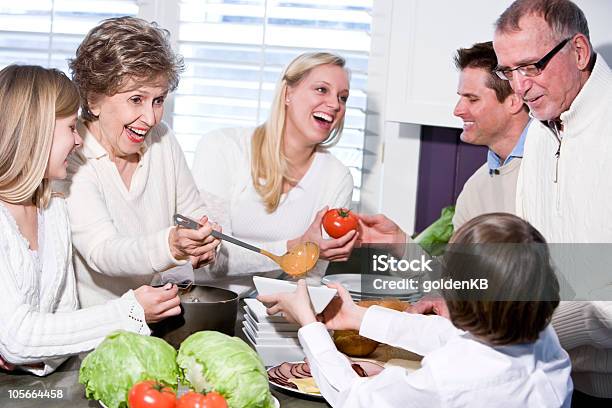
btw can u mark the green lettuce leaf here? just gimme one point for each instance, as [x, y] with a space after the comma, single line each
[123, 359]
[435, 237]
[213, 361]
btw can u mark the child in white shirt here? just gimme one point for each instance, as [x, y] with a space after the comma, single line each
[497, 348]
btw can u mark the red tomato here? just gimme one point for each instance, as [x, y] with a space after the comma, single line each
[339, 221]
[215, 400]
[151, 394]
[192, 399]
[196, 400]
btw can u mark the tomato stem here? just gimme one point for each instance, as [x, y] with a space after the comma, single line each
[344, 212]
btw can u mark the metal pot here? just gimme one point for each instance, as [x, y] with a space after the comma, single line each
[202, 308]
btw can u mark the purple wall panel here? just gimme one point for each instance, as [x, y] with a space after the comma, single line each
[469, 159]
[445, 164]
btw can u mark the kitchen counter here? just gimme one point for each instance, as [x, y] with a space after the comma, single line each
[65, 381]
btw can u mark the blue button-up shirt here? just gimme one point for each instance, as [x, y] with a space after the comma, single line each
[495, 162]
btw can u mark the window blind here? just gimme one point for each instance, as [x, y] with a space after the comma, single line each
[235, 51]
[48, 32]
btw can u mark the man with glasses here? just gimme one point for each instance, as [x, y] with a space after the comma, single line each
[565, 182]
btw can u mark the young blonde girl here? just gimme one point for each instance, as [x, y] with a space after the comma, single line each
[40, 325]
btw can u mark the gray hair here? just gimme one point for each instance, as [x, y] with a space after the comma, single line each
[564, 18]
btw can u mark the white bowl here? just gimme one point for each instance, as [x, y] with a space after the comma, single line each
[277, 328]
[274, 355]
[257, 310]
[268, 334]
[267, 341]
[320, 296]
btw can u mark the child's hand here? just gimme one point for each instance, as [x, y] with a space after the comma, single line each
[342, 313]
[295, 306]
[430, 305]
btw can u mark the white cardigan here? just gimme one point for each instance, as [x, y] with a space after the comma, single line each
[577, 209]
[41, 322]
[226, 153]
[121, 236]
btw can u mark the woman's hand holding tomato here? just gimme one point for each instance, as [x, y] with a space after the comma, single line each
[335, 249]
[339, 221]
[151, 394]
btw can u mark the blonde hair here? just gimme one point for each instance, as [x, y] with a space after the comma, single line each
[31, 97]
[269, 165]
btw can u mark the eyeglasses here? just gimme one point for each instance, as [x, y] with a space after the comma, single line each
[531, 70]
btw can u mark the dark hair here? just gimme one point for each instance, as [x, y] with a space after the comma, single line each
[482, 55]
[522, 291]
[563, 17]
[120, 49]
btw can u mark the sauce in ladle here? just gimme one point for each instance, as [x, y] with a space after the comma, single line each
[298, 260]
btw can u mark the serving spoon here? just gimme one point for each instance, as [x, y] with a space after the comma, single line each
[297, 261]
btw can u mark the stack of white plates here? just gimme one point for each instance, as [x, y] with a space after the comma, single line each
[272, 337]
[364, 287]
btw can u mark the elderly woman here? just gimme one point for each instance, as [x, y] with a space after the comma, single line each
[131, 176]
[278, 179]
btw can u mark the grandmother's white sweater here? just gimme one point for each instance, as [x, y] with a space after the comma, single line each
[39, 320]
[120, 235]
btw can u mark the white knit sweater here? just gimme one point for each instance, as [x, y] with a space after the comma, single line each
[121, 236]
[41, 322]
[577, 209]
[226, 153]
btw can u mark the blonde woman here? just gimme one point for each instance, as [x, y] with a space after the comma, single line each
[278, 179]
[39, 322]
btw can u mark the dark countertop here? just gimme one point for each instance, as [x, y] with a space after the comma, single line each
[66, 381]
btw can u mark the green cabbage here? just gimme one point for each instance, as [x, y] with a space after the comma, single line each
[123, 359]
[213, 361]
[434, 238]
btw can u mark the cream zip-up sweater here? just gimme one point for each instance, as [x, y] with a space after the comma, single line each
[40, 322]
[569, 199]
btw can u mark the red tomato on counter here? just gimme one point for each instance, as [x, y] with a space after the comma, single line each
[339, 221]
[151, 394]
[194, 399]
[215, 400]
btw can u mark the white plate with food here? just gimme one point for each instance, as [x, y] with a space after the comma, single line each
[295, 377]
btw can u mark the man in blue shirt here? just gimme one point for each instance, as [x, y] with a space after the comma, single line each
[493, 116]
